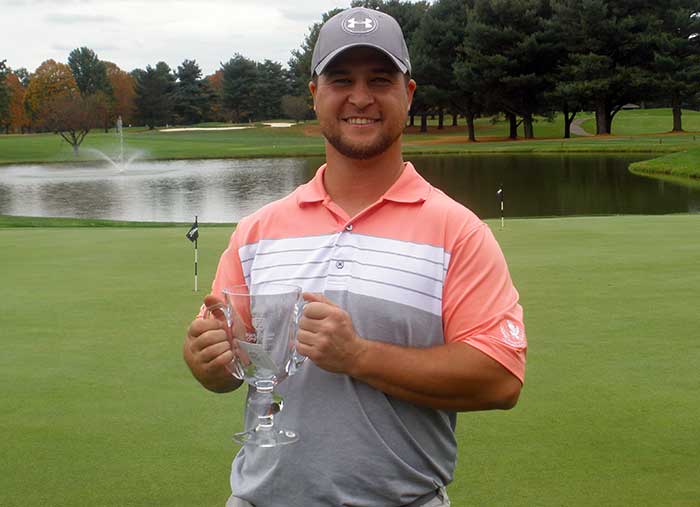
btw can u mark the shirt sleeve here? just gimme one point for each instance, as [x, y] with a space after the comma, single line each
[480, 303]
[229, 271]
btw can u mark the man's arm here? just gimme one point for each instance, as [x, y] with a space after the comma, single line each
[454, 376]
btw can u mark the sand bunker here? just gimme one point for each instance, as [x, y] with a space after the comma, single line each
[190, 129]
[200, 129]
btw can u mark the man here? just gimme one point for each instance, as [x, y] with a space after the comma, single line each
[412, 315]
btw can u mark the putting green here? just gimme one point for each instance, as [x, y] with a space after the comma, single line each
[99, 409]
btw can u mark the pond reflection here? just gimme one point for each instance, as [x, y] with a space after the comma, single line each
[227, 190]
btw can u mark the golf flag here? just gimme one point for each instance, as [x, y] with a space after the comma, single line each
[193, 233]
[500, 196]
[193, 236]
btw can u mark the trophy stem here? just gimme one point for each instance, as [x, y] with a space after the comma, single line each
[265, 403]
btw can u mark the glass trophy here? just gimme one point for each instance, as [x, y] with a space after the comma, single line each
[262, 328]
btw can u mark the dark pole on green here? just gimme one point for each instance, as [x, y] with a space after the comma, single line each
[500, 196]
[193, 236]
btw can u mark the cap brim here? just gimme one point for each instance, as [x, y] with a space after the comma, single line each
[324, 63]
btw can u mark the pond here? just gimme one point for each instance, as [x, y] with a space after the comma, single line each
[227, 190]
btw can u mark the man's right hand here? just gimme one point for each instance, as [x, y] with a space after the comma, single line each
[207, 351]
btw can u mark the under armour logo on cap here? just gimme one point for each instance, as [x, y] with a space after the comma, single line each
[359, 25]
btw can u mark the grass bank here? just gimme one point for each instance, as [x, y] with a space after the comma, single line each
[640, 131]
[99, 409]
[685, 164]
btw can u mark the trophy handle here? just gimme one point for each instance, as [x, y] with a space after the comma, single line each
[222, 312]
[297, 359]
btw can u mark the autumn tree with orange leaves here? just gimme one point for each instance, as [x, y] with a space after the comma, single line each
[55, 104]
[18, 120]
[4, 95]
[123, 89]
[49, 82]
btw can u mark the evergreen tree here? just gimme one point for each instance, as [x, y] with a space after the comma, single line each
[437, 63]
[154, 94]
[300, 63]
[192, 95]
[89, 72]
[240, 78]
[507, 51]
[676, 63]
[270, 86]
[611, 43]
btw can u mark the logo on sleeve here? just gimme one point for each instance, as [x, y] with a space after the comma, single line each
[512, 334]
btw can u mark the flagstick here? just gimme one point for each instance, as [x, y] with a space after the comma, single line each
[195, 265]
[502, 219]
[500, 196]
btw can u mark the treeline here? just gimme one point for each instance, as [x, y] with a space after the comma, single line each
[93, 93]
[509, 60]
[514, 60]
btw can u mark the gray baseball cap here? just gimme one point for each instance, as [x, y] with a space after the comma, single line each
[360, 27]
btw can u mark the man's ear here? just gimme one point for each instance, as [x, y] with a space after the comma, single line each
[410, 90]
[312, 89]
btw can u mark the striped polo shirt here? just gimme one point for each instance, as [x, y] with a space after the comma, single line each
[415, 269]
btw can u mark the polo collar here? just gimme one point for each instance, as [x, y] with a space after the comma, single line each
[409, 188]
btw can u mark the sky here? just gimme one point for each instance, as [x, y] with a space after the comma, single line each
[135, 33]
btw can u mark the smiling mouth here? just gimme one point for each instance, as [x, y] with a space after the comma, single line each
[359, 121]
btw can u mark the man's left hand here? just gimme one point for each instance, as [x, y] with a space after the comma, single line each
[327, 335]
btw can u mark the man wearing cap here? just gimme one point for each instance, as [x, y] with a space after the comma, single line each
[411, 315]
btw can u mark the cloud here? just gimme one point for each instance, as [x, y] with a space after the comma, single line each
[68, 19]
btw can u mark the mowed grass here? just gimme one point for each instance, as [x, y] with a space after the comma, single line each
[640, 131]
[99, 408]
[683, 164]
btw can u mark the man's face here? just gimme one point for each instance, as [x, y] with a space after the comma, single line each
[361, 101]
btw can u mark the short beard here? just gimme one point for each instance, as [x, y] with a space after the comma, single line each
[360, 152]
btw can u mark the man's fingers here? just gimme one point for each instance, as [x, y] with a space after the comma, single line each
[215, 306]
[211, 300]
[200, 326]
[213, 351]
[315, 297]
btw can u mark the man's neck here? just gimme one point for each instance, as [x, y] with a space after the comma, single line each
[355, 184]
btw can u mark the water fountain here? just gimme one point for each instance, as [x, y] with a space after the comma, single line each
[120, 164]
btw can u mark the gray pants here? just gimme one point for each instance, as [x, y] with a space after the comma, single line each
[441, 500]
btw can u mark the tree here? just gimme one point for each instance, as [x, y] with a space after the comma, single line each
[437, 60]
[72, 116]
[18, 118]
[270, 86]
[295, 107]
[124, 92]
[300, 63]
[676, 63]
[610, 44]
[216, 85]
[240, 77]
[507, 50]
[89, 72]
[154, 94]
[49, 81]
[4, 96]
[191, 100]
[407, 14]
[23, 76]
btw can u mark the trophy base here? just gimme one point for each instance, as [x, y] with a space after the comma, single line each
[266, 437]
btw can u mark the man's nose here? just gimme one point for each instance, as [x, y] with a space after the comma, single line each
[360, 95]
